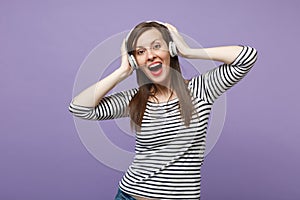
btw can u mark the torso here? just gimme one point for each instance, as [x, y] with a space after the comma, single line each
[164, 137]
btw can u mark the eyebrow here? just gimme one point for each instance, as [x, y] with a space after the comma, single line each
[150, 43]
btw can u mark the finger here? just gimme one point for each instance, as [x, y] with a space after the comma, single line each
[171, 27]
[123, 48]
[123, 44]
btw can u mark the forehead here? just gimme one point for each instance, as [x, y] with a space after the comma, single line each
[148, 37]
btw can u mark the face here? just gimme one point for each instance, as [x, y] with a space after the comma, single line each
[152, 56]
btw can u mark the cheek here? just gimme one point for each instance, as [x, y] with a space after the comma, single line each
[141, 60]
[167, 60]
[166, 57]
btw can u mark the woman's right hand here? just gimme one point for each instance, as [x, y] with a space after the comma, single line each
[125, 68]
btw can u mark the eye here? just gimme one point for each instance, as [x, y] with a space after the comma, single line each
[156, 46]
[140, 51]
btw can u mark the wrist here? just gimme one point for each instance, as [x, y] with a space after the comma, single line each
[188, 53]
[199, 53]
[121, 73]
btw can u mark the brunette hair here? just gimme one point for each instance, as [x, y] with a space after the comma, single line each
[148, 89]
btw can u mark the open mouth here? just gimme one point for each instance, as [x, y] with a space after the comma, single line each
[155, 67]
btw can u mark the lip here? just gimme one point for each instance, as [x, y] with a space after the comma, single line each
[154, 63]
[158, 72]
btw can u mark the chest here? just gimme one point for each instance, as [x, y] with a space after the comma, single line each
[163, 125]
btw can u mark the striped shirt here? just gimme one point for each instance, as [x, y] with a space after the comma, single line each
[169, 155]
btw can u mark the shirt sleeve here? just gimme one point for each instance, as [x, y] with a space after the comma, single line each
[210, 85]
[109, 107]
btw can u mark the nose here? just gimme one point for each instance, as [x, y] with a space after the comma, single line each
[150, 54]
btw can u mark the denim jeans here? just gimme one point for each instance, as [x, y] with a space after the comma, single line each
[123, 196]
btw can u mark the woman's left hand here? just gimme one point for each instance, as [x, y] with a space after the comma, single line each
[182, 46]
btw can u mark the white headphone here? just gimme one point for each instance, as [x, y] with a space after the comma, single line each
[131, 59]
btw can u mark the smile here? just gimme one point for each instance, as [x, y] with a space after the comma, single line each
[155, 68]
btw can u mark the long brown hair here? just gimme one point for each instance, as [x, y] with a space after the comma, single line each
[148, 89]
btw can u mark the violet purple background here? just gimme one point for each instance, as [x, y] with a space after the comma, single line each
[43, 43]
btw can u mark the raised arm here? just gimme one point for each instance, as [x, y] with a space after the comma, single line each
[91, 96]
[225, 54]
[92, 103]
[237, 61]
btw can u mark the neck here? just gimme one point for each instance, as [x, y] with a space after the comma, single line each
[161, 93]
[164, 88]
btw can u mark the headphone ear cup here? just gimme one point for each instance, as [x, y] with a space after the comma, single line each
[172, 49]
[132, 62]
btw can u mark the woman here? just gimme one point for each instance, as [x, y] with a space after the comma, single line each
[168, 113]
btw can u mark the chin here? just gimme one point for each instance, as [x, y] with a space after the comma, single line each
[160, 80]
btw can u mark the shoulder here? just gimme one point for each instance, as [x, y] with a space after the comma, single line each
[194, 81]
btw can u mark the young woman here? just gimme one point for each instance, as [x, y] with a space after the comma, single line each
[168, 113]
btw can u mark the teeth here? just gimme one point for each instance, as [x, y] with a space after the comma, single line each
[154, 65]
